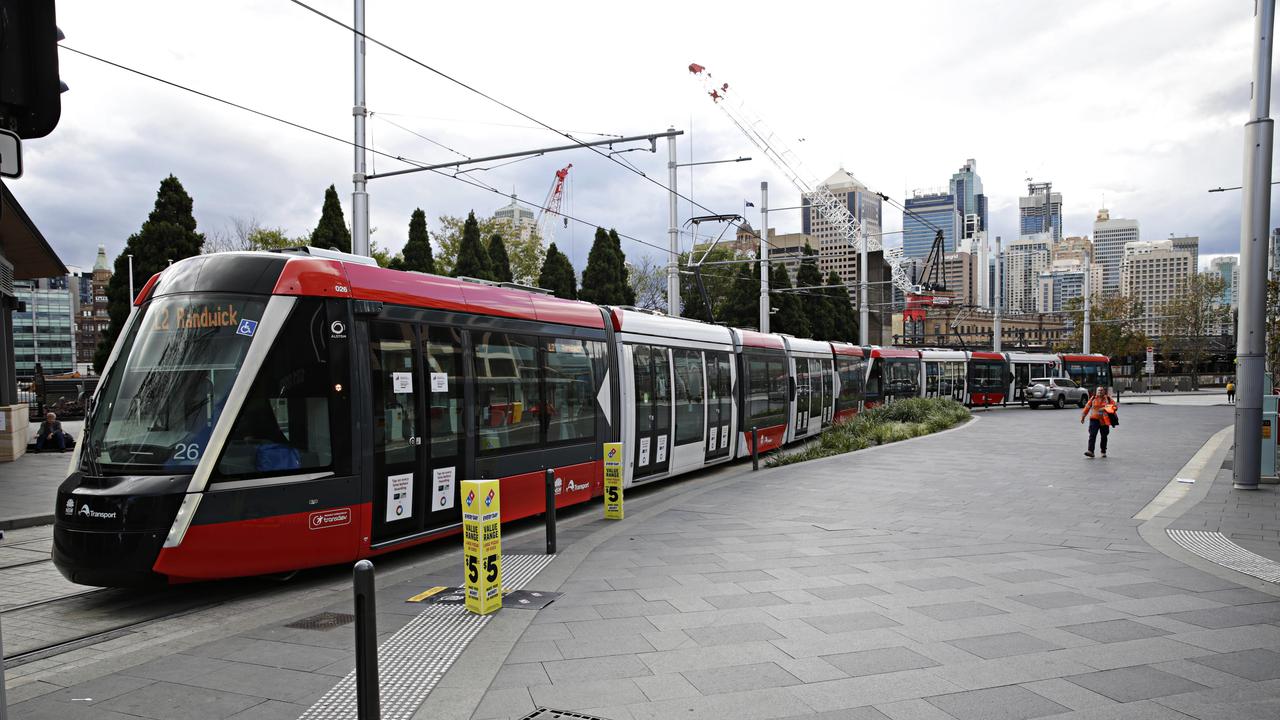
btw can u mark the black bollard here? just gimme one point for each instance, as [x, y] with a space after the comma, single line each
[368, 705]
[755, 449]
[551, 511]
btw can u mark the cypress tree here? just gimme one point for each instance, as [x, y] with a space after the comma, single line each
[331, 232]
[557, 275]
[417, 251]
[169, 234]
[604, 281]
[815, 303]
[845, 322]
[742, 306]
[473, 260]
[499, 263]
[628, 292]
[790, 317]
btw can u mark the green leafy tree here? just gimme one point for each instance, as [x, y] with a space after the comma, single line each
[718, 280]
[499, 263]
[1115, 325]
[168, 235]
[417, 251]
[331, 231]
[524, 254]
[1273, 332]
[741, 309]
[1195, 312]
[844, 325]
[557, 275]
[786, 311]
[604, 281]
[473, 259]
[815, 303]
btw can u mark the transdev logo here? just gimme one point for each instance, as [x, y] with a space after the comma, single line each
[488, 499]
[471, 497]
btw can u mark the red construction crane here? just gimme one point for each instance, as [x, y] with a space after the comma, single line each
[551, 207]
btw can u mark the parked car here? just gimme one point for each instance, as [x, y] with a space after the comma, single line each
[1057, 391]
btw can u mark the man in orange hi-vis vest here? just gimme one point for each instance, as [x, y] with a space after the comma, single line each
[1101, 412]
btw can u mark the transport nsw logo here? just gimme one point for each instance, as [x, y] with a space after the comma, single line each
[329, 518]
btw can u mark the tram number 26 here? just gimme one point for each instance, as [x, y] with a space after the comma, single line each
[490, 568]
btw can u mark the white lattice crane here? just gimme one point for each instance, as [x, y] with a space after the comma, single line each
[831, 208]
[551, 207]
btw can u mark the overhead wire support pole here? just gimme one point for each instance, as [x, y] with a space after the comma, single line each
[673, 230]
[1086, 330]
[360, 113]
[1255, 221]
[652, 138]
[999, 298]
[764, 257]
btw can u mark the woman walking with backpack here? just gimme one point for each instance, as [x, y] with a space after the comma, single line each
[1101, 412]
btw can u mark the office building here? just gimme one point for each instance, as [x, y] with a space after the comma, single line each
[1154, 273]
[1191, 245]
[1040, 211]
[1228, 268]
[929, 211]
[91, 317]
[519, 220]
[43, 329]
[835, 251]
[971, 203]
[1065, 281]
[1073, 249]
[1024, 260]
[1273, 257]
[1109, 239]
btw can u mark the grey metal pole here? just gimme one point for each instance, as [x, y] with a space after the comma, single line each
[359, 196]
[764, 257]
[673, 232]
[864, 285]
[999, 297]
[1087, 300]
[131, 296]
[1255, 221]
[4, 703]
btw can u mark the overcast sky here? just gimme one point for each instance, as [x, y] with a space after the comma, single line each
[1138, 104]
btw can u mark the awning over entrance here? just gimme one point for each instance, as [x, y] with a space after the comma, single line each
[22, 244]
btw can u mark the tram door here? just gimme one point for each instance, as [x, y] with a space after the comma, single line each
[719, 404]
[1021, 379]
[416, 394]
[804, 394]
[653, 409]
[826, 372]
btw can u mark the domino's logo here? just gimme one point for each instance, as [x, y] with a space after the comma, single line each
[471, 497]
[613, 452]
[488, 499]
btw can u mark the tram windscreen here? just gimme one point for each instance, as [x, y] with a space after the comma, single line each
[901, 377]
[159, 403]
[1090, 375]
[986, 376]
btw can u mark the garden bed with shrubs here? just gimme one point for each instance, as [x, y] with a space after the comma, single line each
[900, 420]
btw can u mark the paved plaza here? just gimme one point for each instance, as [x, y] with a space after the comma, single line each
[991, 571]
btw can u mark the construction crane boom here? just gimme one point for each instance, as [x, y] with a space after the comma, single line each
[551, 207]
[831, 208]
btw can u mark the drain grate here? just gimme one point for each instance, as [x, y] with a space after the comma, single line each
[1229, 464]
[323, 621]
[549, 714]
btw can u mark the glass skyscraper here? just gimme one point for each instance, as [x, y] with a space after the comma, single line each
[1041, 211]
[966, 188]
[43, 331]
[927, 212]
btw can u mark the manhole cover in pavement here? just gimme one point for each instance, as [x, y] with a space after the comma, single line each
[549, 714]
[322, 621]
[1229, 464]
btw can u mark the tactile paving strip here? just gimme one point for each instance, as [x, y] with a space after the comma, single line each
[413, 660]
[1215, 547]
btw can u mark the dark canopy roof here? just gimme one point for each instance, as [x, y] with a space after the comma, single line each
[22, 243]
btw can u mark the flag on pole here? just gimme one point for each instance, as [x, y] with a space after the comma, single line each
[748, 203]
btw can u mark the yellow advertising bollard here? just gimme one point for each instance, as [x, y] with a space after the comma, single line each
[613, 481]
[482, 545]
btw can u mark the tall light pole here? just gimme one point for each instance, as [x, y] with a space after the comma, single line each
[999, 297]
[864, 299]
[673, 231]
[131, 296]
[764, 257]
[359, 196]
[1088, 264]
[1255, 220]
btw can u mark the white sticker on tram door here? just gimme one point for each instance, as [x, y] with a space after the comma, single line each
[644, 451]
[401, 383]
[442, 488]
[724, 437]
[439, 382]
[662, 449]
[711, 442]
[399, 497]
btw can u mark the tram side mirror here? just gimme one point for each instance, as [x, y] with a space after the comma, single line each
[10, 155]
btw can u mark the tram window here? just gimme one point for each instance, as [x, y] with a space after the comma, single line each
[766, 390]
[815, 387]
[851, 372]
[285, 422]
[689, 396]
[987, 375]
[902, 377]
[508, 396]
[571, 399]
[157, 407]
[444, 356]
[874, 378]
[932, 376]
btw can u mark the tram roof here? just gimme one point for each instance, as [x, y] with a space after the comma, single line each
[806, 345]
[630, 320]
[752, 338]
[840, 348]
[1079, 357]
[986, 355]
[892, 352]
[940, 354]
[1020, 356]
